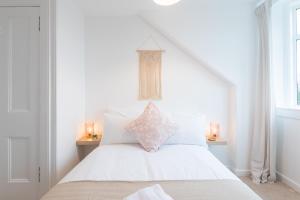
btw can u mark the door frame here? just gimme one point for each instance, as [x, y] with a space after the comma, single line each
[47, 128]
[48, 93]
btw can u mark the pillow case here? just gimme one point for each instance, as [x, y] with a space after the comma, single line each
[190, 127]
[114, 129]
[151, 128]
[190, 130]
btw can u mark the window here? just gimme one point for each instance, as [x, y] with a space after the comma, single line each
[298, 68]
[296, 44]
[286, 53]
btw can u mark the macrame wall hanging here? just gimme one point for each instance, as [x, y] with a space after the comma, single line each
[150, 64]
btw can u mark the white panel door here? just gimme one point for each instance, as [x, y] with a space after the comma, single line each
[19, 103]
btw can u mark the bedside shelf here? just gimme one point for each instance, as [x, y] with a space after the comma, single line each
[219, 141]
[85, 141]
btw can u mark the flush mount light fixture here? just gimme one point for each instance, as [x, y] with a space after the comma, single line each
[166, 2]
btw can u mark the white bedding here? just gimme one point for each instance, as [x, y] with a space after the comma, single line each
[129, 162]
[154, 192]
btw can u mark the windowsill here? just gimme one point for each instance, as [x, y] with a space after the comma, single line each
[288, 112]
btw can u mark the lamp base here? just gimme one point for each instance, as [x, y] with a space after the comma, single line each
[95, 136]
[212, 137]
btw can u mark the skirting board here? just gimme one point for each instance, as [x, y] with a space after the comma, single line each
[288, 181]
[242, 172]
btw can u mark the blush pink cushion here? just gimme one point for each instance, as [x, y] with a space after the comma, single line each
[151, 128]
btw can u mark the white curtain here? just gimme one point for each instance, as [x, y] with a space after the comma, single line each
[263, 159]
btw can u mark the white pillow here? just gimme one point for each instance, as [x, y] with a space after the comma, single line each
[114, 129]
[190, 130]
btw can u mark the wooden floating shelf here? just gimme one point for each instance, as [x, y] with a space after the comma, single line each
[219, 141]
[85, 141]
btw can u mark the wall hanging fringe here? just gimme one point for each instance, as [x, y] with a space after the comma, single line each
[150, 74]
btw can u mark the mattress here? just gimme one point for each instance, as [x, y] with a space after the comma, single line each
[185, 172]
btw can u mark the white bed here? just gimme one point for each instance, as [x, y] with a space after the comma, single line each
[129, 162]
[185, 172]
[183, 167]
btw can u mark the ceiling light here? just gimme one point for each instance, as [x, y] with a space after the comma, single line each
[166, 2]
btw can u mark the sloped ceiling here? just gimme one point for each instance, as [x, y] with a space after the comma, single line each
[200, 20]
[133, 7]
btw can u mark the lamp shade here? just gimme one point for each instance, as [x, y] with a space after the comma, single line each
[89, 128]
[166, 2]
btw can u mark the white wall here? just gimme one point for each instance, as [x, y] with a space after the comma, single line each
[112, 73]
[70, 83]
[218, 36]
[223, 35]
[288, 151]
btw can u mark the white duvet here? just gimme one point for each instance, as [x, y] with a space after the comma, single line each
[131, 163]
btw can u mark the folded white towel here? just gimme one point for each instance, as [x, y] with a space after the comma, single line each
[150, 193]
